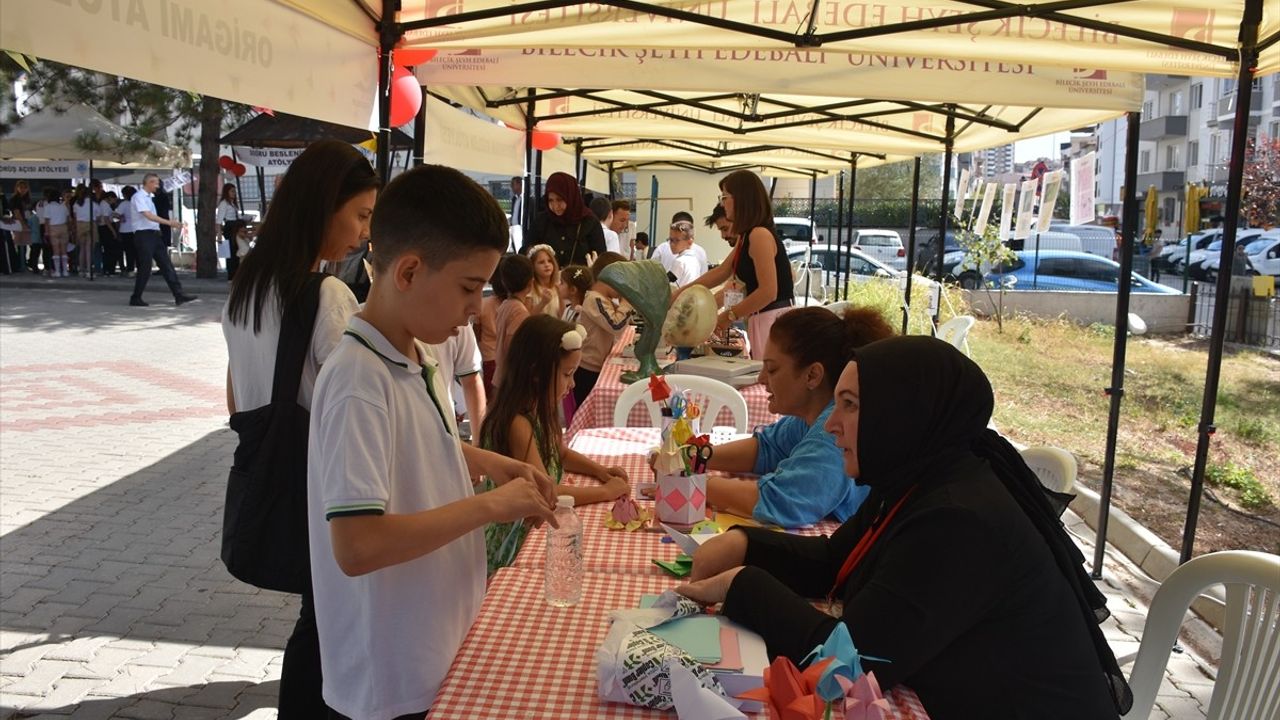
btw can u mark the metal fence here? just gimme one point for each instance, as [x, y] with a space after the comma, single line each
[1251, 320]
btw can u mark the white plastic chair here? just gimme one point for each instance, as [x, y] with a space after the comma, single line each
[1055, 467]
[710, 394]
[956, 331]
[1248, 684]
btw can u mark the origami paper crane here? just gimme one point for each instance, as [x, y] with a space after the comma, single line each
[844, 658]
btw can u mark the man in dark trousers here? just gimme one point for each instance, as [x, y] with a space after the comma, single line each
[146, 238]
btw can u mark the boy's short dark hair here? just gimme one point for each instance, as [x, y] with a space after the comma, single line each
[514, 272]
[682, 216]
[717, 213]
[600, 207]
[437, 213]
[642, 238]
[622, 205]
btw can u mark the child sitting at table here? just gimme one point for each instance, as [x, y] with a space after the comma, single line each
[605, 317]
[516, 287]
[395, 533]
[575, 281]
[522, 423]
[486, 327]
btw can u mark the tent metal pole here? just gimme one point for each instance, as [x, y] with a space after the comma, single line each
[578, 172]
[388, 34]
[835, 236]
[848, 248]
[813, 200]
[1128, 229]
[537, 175]
[1235, 175]
[239, 192]
[420, 132]
[93, 227]
[262, 191]
[946, 197]
[526, 217]
[911, 244]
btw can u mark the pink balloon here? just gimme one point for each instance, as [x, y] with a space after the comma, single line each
[406, 97]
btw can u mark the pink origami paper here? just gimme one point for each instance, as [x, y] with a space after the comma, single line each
[627, 515]
[862, 699]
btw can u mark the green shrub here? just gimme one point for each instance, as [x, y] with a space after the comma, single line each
[1241, 479]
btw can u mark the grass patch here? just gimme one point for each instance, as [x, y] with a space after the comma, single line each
[1256, 431]
[1252, 493]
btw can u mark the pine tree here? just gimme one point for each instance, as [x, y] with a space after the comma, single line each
[153, 112]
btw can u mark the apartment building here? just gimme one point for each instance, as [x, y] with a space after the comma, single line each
[1185, 136]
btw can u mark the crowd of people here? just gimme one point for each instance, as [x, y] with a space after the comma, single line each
[92, 232]
[947, 559]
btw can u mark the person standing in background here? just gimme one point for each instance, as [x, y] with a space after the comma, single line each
[603, 210]
[621, 222]
[150, 248]
[227, 218]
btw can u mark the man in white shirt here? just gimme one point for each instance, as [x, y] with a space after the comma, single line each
[146, 240]
[460, 366]
[603, 210]
[685, 266]
[621, 223]
[664, 254]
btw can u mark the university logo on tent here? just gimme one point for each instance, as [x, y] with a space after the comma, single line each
[442, 8]
[1193, 24]
[558, 106]
[1089, 74]
[926, 122]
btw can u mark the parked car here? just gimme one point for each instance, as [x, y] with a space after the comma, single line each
[829, 259]
[1068, 270]
[1195, 267]
[1175, 251]
[1053, 240]
[1094, 239]
[794, 232]
[883, 245]
[1256, 250]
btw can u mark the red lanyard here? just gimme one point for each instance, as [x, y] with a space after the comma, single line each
[868, 539]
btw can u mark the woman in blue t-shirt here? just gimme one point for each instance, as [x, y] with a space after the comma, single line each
[801, 471]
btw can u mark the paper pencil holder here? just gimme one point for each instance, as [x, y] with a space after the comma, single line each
[681, 499]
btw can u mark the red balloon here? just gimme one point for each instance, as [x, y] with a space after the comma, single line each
[226, 162]
[410, 57]
[406, 97]
[238, 169]
[545, 140]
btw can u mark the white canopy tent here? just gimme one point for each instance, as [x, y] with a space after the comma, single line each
[81, 133]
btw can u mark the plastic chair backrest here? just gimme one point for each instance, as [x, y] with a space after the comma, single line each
[1055, 467]
[956, 331]
[1248, 684]
[710, 394]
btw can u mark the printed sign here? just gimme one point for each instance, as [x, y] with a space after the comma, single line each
[1082, 197]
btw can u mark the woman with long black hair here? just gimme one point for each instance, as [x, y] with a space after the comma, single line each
[321, 212]
[228, 220]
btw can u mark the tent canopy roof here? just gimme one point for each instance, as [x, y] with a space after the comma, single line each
[79, 132]
[290, 131]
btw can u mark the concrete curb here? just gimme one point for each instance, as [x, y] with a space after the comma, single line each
[1151, 554]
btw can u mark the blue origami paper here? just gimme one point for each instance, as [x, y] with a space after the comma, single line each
[845, 662]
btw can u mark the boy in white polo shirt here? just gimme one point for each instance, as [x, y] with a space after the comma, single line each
[397, 534]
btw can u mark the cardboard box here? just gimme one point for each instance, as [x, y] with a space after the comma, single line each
[681, 500]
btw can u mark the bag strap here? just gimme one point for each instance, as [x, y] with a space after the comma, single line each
[295, 340]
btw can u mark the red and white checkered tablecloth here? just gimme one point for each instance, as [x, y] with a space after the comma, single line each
[618, 551]
[596, 410]
[525, 659]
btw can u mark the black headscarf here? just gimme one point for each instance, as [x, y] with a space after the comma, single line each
[923, 406]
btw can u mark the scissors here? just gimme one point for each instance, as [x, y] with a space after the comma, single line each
[697, 456]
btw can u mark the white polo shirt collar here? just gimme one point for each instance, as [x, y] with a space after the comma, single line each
[426, 366]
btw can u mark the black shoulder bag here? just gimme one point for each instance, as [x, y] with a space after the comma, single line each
[264, 527]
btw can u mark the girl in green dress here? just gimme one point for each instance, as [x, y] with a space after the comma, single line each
[522, 422]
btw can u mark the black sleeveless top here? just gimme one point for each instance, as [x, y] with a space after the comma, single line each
[745, 269]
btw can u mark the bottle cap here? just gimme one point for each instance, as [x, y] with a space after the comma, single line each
[564, 501]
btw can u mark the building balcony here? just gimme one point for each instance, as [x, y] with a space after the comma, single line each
[1165, 181]
[1226, 108]
[1163, 127]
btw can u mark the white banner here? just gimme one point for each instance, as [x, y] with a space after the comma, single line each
[1049, 198]
[1006, 210]
[793, 72]
[18, 169]
[988, 197]
[1082, 196]
[460, 140]
[272, 160]
[962, 192]
[1026, 210]
[249, 51]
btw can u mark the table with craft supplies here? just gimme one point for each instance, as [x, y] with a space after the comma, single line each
[620, 551]
[596, 410]
[523, 658]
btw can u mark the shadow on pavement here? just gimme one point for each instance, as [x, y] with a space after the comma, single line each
[136, 559]
[212, 697]
[34, 309]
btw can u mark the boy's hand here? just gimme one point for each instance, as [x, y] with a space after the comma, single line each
[502, 470]
[617, 487]
[618, 471]
[517, 500]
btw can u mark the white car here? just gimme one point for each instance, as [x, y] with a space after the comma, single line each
[830, 260]
[1262, 250]
[794, 232]
[883, 245]
[1195, 267]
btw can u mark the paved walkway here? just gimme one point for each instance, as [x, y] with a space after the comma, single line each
[113, 602]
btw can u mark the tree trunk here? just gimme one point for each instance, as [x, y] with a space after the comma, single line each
[207, 195]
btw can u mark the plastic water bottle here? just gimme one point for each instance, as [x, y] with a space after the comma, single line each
[564, 556]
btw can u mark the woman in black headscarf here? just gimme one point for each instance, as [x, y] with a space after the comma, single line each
[955, 569]
[567, 225]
